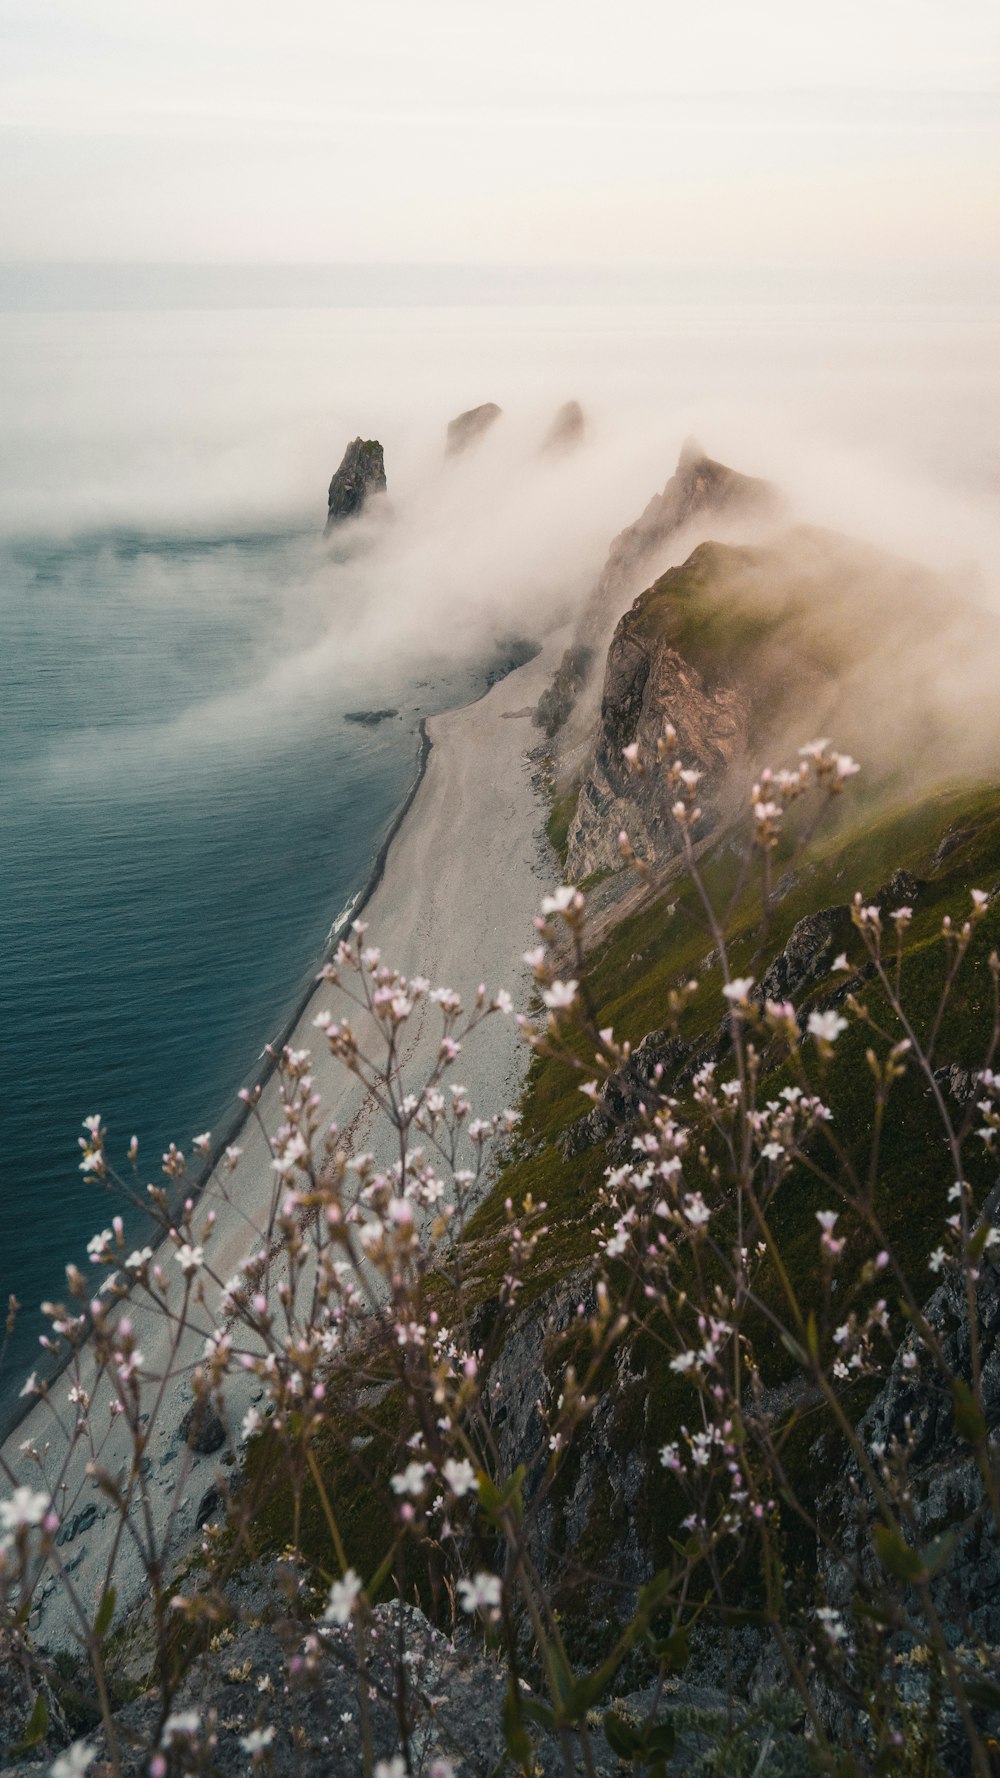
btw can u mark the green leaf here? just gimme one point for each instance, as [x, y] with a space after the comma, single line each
[622, 1737]
[897, 1557]
[660, 1740]
[969, 1421]
[562, 1676]
[652, 1595]
[982, 1692]
[37, 1725]
[494, 1501]
[978, 1240]
[673, 1652]
[536, 1710]
[105, 1612]
[798, 1352]
[937, 1554]
[812, 1337]
[516, 1738]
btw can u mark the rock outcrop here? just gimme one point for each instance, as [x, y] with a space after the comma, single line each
[360, 477]
[567, 429]
[946, 1495]
[648, 684]
[699, 488]
[465, 429]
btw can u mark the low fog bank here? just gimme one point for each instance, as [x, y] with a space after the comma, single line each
[205, 426]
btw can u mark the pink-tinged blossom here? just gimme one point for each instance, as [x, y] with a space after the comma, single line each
[937, 1259]
[737, 990]
[74, 1762]
[181, 1722]
[826, 1026]
[460, 1476]
[23, 1510]
[685, 1361]
[481, 1592]
[696, 1210]
[560, 995]
[563, 900]
[412, 1480]
[257, 1740]
[502, 1001]
[832, 1622]
[189, 1258]
[343, 1597]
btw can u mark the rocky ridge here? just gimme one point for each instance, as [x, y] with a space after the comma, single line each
[698, 489]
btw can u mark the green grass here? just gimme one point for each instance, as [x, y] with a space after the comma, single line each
[558, 824]
[630, 977]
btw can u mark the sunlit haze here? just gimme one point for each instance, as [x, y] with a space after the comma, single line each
[857, 142]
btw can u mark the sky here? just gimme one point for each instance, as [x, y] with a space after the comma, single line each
[862, 135]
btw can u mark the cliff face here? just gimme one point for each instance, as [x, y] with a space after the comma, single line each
[648, 685]
[360, 476]
[698, 489]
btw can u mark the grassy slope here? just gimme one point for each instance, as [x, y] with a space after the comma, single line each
[630, 978]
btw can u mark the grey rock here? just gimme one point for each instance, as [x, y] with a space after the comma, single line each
[812, 945]
[638, 1083]
[648, 685]
[698, 488]
[360, 477]
[466, 429]
[202, 1428]
[453, 1702]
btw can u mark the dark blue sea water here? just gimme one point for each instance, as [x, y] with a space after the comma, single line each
[183, 816]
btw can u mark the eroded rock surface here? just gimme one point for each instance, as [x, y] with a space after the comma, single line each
[361, 476]
[648, 685]
[699, 487]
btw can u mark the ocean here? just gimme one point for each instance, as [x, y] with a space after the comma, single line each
[184, 809]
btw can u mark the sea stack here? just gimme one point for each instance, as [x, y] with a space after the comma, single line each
[466, 428]
[360, 476]
[567, 429]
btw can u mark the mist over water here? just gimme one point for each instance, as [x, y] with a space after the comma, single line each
[184, 809]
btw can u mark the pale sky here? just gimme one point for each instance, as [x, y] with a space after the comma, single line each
[865, 132]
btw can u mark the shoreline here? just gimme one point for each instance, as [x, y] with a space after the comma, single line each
[15, 1411]
[452, 893]
[196, 1181]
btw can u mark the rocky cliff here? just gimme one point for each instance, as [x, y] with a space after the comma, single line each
[698, 490]
[465, 429]
[360, 477]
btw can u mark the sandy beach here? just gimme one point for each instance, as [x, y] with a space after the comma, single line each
[462, 881]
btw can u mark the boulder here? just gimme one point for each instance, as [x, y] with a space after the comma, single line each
[202, 1428]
